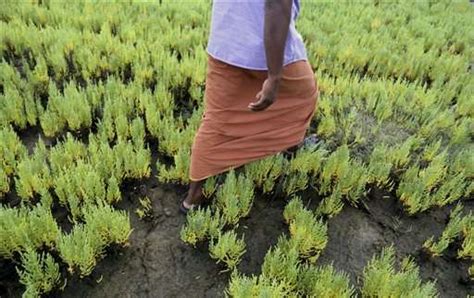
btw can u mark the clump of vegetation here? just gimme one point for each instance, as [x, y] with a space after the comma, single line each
[458, 227]
[39, 273]
[235, 197]
[201, 224]
[227, 248]
[382, 279]
[308, 233]
[244, 286]
[12, 151]
[103, 226]
[265, 173]
[24, 227]
[324, 281]
[303, 168]
[289, 266]
[341, 177]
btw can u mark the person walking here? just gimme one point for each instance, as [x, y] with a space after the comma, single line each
[261, 92]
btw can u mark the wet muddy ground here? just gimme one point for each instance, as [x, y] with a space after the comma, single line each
[159, 264]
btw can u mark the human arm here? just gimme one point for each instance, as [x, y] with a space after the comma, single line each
[276, 26]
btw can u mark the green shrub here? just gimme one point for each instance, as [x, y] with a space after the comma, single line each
[177, 173]
[84, 246]
[40, 273]
[24, 227]
[379, 167]
[12, 151]
[228, 249]
[201, 224]
[324, 281]
[341, 177]
[308, 234]
[80, 249]
[32, 175]
[235, 197]
[265, 172]
[281, 264]
[380, 278]
[113, 226]
[243, 286]
[458, 226]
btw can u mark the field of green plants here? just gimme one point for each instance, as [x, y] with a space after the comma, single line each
[95, 96]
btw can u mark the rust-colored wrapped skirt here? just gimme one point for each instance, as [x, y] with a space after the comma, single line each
[231, 135]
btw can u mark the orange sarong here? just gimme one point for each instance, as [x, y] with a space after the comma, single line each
[231, 135]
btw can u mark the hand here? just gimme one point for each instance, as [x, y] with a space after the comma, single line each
[266, 96]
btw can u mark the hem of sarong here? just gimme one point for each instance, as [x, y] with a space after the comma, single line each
[244, 163]
[211, 175]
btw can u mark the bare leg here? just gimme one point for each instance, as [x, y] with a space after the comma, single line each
[294, 148]
[195, 195]
[311, 139]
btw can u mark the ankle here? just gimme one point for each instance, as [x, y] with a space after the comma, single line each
[187, 205]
